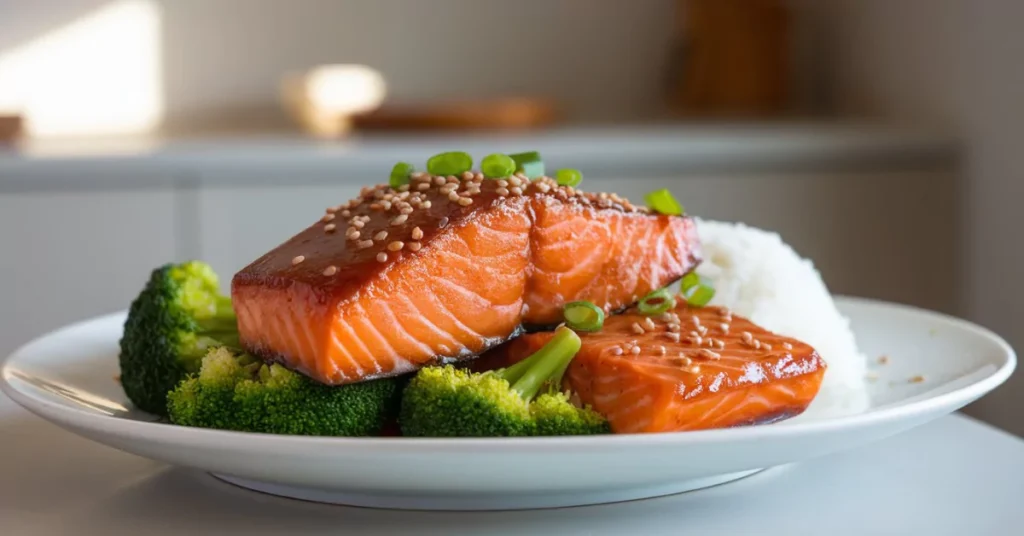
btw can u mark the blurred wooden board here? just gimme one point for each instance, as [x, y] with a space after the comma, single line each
[503, 114]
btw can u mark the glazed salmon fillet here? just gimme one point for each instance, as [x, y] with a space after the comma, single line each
[444, 268]
[687, 369]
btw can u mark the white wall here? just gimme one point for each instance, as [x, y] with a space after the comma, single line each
[955, 62]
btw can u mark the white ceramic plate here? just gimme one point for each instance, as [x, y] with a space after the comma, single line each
[67, 377]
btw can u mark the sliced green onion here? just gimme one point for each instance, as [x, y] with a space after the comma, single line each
[689, 280]
[497, 166]
[583, 316]
[529, 163]
[698, 293]
[400, 174]
[656, 302]
[451, 163]
[569, 177]
[661, 201]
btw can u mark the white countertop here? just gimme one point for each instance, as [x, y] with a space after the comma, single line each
[623, 150]
[952, 477]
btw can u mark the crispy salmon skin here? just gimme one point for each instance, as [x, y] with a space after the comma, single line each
[686, 369]
[444, 268]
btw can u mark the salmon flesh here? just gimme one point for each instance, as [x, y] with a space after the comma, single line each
[686, 369]
[444, 268]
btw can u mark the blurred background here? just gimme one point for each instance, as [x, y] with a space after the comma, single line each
[879, 138]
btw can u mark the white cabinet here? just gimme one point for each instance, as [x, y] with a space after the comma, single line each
[70, 255]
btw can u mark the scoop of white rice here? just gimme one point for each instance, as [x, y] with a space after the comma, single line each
[760, 277]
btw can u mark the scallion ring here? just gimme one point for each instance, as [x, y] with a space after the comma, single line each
[662, 202]
[451, 163]
[583, 316]
[569, 177]
[698, 293]
[529, 163]
[497, 166]
[400, 174]
[656, 302]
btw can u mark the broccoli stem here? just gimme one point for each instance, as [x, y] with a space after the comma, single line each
[529, 375]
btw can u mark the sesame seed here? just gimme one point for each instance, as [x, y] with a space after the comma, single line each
[298, 259]
[346, 213]
[695, 319]
[439, 181]
[502, 192]
[396, 245]
[787, 346]
[695, 369]
[543, 187]
[515, 181]
[516, 190]
[447, 190]
[406, 210]
[673, 327]
[708, 354]
[503, 183]
[386, 205]
[757, 344]
[467, 175]
[358, 224]
[330, 270]
[637, 329]
[381, 235]
[330, 227]
[478, 176]
[747, 337]
[332, 210]
[327, 218]
[766, 347]
[423, 186]
[415, 246]
[465, 201]
[419, 175]
[425, 204]
[403, 188]
[617, 351]
[674, 337]
[417, 233]
[696, 341]
[660, 350]
[724, 328]
[399, 219]
[649, 324]
[376, 206]
[382, 257]
[724, 311]
[635, 350]
[352, 234]
[452, 196]
[363, 244]
[521, 176]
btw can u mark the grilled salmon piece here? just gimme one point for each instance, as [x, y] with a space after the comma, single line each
[443, 269]
[688, 369]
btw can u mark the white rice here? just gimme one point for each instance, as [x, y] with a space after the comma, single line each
[760, 277]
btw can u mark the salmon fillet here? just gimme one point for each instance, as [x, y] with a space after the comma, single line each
[443, 269]
[688, 369]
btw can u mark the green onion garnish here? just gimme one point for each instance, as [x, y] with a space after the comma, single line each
[656, 302]
[697, 290]
[497, 166]
[529, 163]
[583, 316]
[569, 177]
[400, 174]
[452, 163]
[661, 201]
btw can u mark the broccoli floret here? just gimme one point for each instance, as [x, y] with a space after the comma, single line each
[238, 392]
[177, 317]
[452, 402]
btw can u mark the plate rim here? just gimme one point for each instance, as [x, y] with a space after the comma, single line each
[122, 427]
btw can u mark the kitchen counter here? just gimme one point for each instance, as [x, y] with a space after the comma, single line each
[952, 477]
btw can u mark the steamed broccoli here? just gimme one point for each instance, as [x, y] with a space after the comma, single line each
[451, 402]
[238, 392]
[172, 323]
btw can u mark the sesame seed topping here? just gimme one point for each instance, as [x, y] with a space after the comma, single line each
[332, 210]
[617, 351]
[660, 350]
[673, 327]
[695, 369]
[724, 311]
[399, 219]
[465, 201]
[327, 218]
[330, 270]
[330, 227]
[543, 187]
[635, 350]
[396, 245]
[417, 233]
[708, 354]
[695, 319]
[702, 330]
[478, 176]
[346, 213]
[358, 224]
[352, 234]
[298, 259]
[419, 175]
[452, 179]
[521, 176]
[747, 337]
[637, 329]
[502, 192]
[376, 206]
[452, 196]
[403, 188]
[467, 175]
[381, 235]
[425, 204]
[415, 246]
[674, 337]
[649, 324]
[363, 244]
[766, 347]
[515, 181]
[406, 210]
[439, 181]
[724, 328]
[382, 257]
[423, 186]
[787, 346]
[386, 205]
[516, 190]
[503, 183]
[696, 341]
